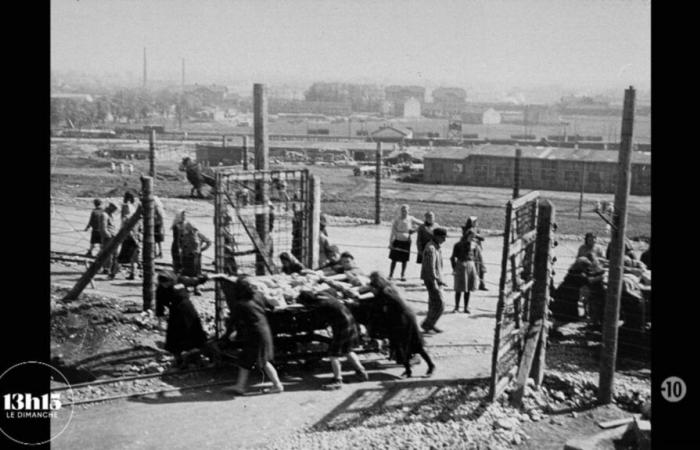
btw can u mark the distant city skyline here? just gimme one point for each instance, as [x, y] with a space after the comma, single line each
[588, 45]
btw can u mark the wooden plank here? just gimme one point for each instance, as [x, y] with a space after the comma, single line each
[503, 383]
[520, 202]
[531, 340]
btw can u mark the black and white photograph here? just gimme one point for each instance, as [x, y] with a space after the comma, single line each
[347, 225]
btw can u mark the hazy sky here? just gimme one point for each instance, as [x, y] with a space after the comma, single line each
[597, 43]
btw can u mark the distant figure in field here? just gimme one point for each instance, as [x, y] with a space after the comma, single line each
[400, 240]
[94, 224]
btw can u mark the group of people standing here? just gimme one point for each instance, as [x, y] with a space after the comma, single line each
[186, 249]
[466, 260]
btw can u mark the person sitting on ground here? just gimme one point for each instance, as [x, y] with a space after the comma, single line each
[94, 223]
[247, 315]
[590, 248]
[405, 339]
[471, 224]
[184, 330]
[345, 333]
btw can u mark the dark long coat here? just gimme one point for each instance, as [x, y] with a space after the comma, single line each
[185, 330]
[249, 318]
[405, 338]
[332, 312]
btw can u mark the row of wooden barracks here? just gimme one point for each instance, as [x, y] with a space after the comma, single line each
[541, 168]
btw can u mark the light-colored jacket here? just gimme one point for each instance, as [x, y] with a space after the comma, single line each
[431, 267]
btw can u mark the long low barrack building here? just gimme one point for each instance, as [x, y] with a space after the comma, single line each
[542, 168]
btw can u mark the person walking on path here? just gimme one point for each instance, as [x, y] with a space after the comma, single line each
[431, 274]
[94, 224]
[478, 239]
[424, 234]
[463, 261]
[192, 244]
[345, 333]
[247, 315]
[400, 240]
[405, 339]
[107, 230]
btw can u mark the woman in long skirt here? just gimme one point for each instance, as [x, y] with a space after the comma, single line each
[463, 262]
[400, 240]
[405, 338]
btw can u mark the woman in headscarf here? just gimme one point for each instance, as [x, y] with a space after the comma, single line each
[290, 264]
[471, 224]
[400, 240]
[247, 315]
[463, 261]
[130, 248]
[405, 339]
[192, 244]
[332, 312]
[185, 330]
[177, 228]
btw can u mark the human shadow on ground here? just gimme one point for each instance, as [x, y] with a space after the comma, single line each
[294, 377]
[408, 401]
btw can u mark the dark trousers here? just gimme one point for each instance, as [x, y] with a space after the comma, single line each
[436, 305]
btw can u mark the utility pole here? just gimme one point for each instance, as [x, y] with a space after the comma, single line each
[378, 186]
[245, 152]
[262, 194]
[149, 287]
[182, 94]
[583, 184]
[612, 302]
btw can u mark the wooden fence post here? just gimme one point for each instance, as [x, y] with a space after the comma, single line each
[152, 153]
[262, 190]
[532, 359]
[149, 288]
[617, 243]
[101, 257]
[315, 215]
[219, 209]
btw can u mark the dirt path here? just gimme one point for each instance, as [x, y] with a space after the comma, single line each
[463, 351]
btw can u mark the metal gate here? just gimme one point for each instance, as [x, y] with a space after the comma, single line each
[523, 291]
[252, 229]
